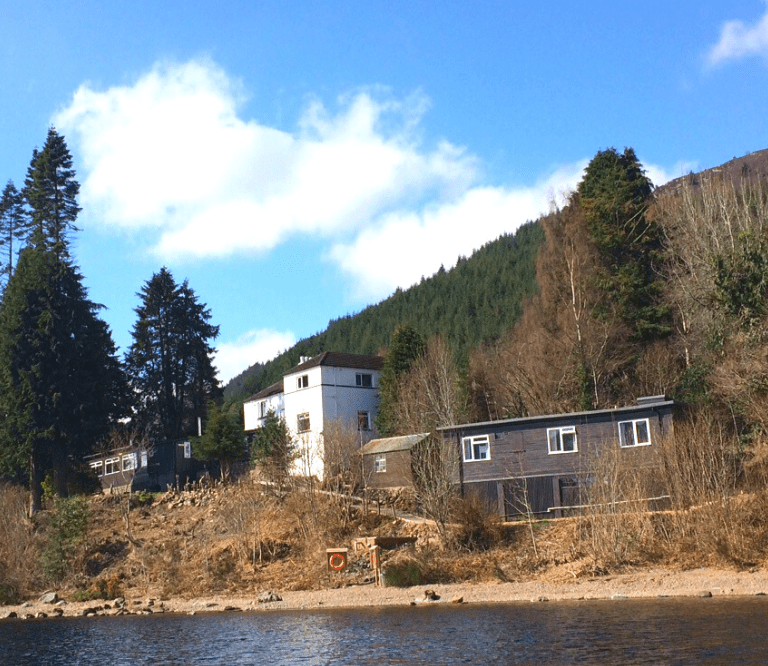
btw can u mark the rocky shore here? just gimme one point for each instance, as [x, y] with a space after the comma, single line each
[703, 583]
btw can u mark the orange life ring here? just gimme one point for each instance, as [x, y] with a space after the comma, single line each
[336, 561]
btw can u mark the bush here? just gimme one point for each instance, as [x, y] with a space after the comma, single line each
[65, 537]
[405, 573]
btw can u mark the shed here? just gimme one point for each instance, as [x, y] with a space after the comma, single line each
[388, 461]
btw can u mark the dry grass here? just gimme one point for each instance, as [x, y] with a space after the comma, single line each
[17, 545]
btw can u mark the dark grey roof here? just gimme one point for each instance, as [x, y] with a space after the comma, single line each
[265, 393]
[388, 444]
[645, 402]
[339, 360]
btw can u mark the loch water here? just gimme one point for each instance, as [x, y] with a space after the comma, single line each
[656, 631]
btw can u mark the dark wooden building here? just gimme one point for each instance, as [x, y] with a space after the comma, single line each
[151, 468]
[387, 462]
[542, 464]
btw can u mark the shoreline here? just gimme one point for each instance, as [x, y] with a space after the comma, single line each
[645, 584]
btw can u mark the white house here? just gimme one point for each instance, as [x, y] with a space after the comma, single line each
[256, 408]
[332, 391]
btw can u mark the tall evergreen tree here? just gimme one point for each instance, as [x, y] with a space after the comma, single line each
[614, 195]
[61, 384]
[406, 346]
[14, 226]
[170, 361]
[51, 192]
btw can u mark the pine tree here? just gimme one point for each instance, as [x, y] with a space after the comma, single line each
[614, 195]
[406, 346]
[222, 439]
[61, 384]
[50, 190]
[14, 226]
[170, 361]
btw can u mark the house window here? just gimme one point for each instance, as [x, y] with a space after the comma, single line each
[111, 465]
[187, 450]
[366, 381]
[98, 468]
[634, 433]
[129, 462]
[143, 458]
[562, 440]
[302, 422]
[380, 464]
[302, 382]
[262, 409]
[363, 421]
[476, 448]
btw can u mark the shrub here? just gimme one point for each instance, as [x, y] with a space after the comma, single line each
[65, 537]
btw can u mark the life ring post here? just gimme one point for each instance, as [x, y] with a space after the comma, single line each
[336, 558]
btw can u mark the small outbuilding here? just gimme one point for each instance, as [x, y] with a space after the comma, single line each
[388, 461]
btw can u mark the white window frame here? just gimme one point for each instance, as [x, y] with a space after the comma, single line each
[111, 466]
[635, 425]
[302, 422]
[144, 459]
[262, 409]
[476, 448]
[363, 420]
[98, 467]
[364, 380]
[129, 462]
[302, 381]
[187, 449]
[380, 464]
[555, 440]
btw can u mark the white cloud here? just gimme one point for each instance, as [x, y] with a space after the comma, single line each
[659, 175]
[256, 346]
[403, 246]
[169, 156]
[739, 40]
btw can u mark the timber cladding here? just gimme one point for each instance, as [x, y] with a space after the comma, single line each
[539, 464]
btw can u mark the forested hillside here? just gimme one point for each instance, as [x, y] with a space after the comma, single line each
[470, 305]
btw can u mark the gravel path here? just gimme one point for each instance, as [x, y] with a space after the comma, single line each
[644, 584]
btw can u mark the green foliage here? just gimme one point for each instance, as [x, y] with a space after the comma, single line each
[222, 440]
[741, 280]
[61, 385]
[51, 192]
[403, 574]
[170, 362]
[471, 305]
[406, 346]
[272, 446]
[65, 535]
[14, 226]
[614, 195]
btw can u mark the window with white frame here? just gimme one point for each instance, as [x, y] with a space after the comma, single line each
[187, 449]
[380, 464]
[562, 440]
[476, 448]
[363, 420]
[111, 465]
[634, 433]
[143, 458]
[302, 382]
[302, 422]
[262, 409]
[98, 467]
[364, 380]
[129, 462]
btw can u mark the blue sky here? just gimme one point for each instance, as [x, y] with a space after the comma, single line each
[297, 161]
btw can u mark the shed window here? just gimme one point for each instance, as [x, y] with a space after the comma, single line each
[111, 465]
[476, 448]
[634, 433]
[98, 467]
[302, 422]
[380, 464]
[129, 462]
[562, 440]
[364, 380]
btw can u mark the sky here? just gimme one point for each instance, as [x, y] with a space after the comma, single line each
[299, 161]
